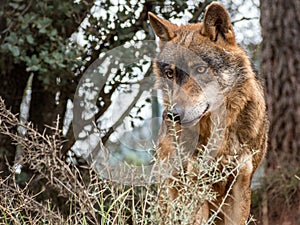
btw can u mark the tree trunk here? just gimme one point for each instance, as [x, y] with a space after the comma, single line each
[280, 21]
[13, 83]
[281, 68]
[46, 105]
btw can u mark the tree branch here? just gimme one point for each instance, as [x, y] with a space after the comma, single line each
[127, 111]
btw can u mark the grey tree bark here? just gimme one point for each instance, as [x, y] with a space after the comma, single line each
[280, 21]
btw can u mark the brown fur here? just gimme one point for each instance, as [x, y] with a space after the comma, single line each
[212, 79]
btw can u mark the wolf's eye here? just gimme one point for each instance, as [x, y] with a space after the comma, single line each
[169, 73]
[201, 69]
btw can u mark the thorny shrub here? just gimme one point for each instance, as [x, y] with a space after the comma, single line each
[62, 193]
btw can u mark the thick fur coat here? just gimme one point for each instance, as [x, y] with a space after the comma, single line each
[207, 77]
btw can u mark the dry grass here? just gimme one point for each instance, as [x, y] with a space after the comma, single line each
[61, 193]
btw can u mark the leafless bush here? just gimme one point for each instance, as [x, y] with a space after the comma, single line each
[84, 198]
[42, 155]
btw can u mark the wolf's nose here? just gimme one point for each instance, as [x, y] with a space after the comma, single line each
[174, 115]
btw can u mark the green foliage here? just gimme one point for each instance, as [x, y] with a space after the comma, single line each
[36, 35]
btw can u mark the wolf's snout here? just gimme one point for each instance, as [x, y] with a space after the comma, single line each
[175, 114]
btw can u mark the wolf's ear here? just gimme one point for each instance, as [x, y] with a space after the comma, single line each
[162, 28]
[217, 24]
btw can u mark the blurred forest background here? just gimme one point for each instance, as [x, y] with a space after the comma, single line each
[47, 46]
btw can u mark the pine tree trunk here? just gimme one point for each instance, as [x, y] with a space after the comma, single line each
[280, 21]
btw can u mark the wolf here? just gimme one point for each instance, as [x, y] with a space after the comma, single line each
[206, 76]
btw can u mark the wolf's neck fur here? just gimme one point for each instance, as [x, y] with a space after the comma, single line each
[239, 125]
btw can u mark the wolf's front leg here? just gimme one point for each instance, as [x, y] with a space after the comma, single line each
[201, 214]
[237, 209]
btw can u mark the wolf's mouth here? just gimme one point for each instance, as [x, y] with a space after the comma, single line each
[205, 110]
[194, 121]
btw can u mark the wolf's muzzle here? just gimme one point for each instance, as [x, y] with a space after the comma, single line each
[174, 115]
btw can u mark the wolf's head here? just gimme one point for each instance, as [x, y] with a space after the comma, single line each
[198, 64]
